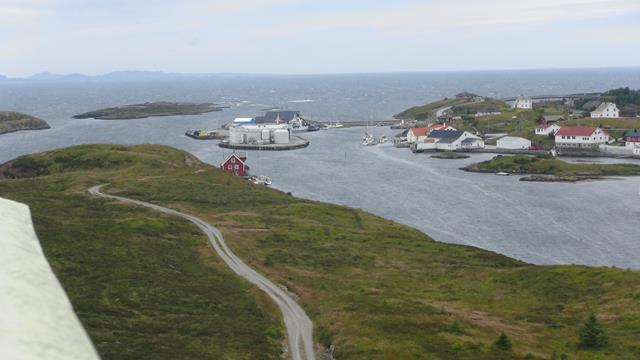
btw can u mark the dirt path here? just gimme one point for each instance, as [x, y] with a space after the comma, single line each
[298, 324]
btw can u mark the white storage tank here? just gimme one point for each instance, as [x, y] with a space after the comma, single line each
[235, 135]
[266, 134]
[281, 136]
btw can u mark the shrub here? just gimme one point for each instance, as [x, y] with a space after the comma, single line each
[592, 335]
[503, 342]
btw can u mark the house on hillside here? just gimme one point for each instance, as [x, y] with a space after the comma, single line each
[523, 102]
[236, 164]
[550, 119]
[581, 137]
[489, 112]
[547, 129]
[632, 139]
[513, 143]
[606, 110]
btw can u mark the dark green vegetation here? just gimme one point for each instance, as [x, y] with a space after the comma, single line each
[13, 121]
[627, 100]
[525, 164]
[149, 109]
[592, 335]
[374, 289]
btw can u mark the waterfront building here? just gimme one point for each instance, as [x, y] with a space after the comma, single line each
[632, 139]
[581, 137]
[236, 164]
[513, 143]
[244, 121]
[449, 140]
[606, 110]
[523, 103]
[262, 134]
[415, 135]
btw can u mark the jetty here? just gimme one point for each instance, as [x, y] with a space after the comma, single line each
[295, 143]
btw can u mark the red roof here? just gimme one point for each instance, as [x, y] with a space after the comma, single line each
[576, 131]
[420, 131]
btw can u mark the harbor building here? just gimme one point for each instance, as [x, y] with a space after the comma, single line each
[260, 134]
[513, 143]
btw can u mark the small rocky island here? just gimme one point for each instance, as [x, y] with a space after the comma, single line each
[11, 121]
[149, 109]
[545, 168]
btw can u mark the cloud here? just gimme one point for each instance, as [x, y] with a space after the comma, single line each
[461, 14]
[226, 6]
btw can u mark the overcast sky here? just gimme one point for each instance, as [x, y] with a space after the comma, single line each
[315, 36]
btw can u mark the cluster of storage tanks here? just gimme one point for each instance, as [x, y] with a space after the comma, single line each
[260, 134]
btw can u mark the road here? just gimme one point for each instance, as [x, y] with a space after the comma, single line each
[298, 324]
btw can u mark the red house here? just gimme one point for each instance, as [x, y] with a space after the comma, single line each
[235, 164]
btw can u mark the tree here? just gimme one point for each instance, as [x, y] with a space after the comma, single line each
[592, 335]
[503, 342]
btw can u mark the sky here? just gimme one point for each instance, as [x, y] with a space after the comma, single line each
[315, 36]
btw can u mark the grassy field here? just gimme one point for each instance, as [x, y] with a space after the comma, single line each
[13, 121]
[551, 166]
[374, 289]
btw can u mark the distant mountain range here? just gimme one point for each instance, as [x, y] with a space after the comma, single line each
[117, 76]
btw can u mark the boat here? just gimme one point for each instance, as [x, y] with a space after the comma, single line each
[501, 173]
[264, 180]
[336, 125]
[202, 135]
[298, 125]
[383, 139]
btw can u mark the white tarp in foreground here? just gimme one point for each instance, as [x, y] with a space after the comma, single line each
[36, 318]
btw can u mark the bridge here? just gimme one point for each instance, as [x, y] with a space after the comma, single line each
[556, 97]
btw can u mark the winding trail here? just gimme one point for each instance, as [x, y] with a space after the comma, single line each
[298, 324]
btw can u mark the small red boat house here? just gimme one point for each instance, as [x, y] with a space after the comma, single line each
[236, 164]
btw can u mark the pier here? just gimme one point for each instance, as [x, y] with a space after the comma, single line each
[296, 143]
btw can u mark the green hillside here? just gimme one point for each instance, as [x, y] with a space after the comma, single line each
[147, 285]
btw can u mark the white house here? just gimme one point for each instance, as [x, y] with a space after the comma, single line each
[488, 113]
[547, 129]
[417, 135]
[606, 110]
[513, 143]
[449, 140]
[581, 137]
[523, 103]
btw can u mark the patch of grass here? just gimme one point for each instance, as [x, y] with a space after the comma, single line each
[525, 164]
[374, 289]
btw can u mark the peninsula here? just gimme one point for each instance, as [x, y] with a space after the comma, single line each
[145, 284]
[11, 121]
[149, 109]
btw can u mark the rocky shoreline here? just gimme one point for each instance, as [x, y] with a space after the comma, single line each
[149, 109]
[11, 121]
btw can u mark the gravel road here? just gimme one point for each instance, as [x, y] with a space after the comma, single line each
[298, 324]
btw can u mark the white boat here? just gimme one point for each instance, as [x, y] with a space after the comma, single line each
[264, 180]
[383, 139]
[298, 125]
[334, 125]
[502, 173]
